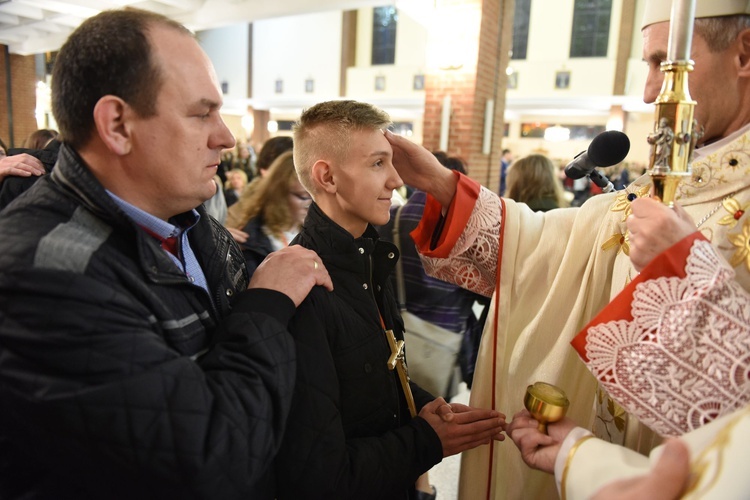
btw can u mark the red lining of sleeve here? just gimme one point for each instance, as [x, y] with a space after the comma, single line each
[462, 204]
[671, 262]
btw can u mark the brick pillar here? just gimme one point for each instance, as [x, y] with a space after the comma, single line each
[260, 129]
[23, 98]
[480, 31]
[624, 42]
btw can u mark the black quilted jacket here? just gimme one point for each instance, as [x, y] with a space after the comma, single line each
[350, 434]
[258, 244]
[119, 378]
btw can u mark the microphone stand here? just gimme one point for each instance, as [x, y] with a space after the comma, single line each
[671, 151]
[601, 181]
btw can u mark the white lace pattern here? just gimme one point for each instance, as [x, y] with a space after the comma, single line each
[684, 360]
[472, 263]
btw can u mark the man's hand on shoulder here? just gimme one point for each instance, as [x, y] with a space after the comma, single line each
[292, 271]
[239, 235]
[22, 165]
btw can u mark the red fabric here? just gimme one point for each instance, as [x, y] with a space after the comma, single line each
[494, 339]
[170, 244]
[669, 263]
[467, 192]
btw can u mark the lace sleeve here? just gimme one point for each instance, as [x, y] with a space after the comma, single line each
[472, 263]
[682, 360]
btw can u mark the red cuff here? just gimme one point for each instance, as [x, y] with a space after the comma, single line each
[671, 262]
[462, 204]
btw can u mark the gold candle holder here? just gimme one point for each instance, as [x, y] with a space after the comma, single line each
[546, 403]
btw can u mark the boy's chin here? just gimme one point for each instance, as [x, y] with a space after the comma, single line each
[382, 220]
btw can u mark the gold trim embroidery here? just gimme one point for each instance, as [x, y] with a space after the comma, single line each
[736, 211]
[618, 240]
[702, 463]
[622, 203]
[742, 242]
[568, 460]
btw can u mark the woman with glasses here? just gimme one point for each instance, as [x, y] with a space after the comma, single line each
[275, 212]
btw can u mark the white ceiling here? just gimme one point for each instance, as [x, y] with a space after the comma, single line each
[36, 26]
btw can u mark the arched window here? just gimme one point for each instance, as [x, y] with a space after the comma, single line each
[590, 28]
[384, 35]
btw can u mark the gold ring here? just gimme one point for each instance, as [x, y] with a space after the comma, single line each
[315, 264]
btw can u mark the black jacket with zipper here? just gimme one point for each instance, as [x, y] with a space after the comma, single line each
[350, 433]
[118, 377]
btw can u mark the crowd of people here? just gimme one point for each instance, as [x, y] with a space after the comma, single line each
[151, 349]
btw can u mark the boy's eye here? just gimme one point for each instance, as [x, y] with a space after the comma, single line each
[379, 163]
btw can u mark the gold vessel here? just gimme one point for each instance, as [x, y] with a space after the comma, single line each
[546, 403]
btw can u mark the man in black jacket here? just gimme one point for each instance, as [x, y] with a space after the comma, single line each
[135, 359]
[358, 428]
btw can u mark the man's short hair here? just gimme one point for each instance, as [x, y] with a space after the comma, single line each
[108, 54]
[324, 131]
[720, 32]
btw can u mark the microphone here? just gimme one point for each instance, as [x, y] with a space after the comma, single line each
[607, 149]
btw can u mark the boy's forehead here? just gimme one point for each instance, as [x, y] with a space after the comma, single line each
[369, 142]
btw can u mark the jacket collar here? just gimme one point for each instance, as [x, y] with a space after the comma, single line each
[340, 250]
[73, 175]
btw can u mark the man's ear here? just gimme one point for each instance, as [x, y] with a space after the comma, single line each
[744, 53]
[322, 175]
[111, 117]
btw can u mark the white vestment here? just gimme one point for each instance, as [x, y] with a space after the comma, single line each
[718, 462]
[556, 271]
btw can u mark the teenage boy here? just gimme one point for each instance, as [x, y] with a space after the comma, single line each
[352, 431]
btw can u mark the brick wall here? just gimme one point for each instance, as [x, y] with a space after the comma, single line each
[481, 78]
[23, 98]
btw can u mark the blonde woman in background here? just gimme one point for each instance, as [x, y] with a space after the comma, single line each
[275, 212]
[235, 184]
[533, 180]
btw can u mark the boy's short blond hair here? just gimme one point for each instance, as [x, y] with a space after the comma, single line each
[323, 132]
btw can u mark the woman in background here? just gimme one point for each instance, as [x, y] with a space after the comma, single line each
[236, 214]
[235, 184]
[275, 212]
[533, 180]
[39, 139]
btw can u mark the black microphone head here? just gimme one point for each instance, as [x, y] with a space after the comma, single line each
[579, 166]
[609, 148]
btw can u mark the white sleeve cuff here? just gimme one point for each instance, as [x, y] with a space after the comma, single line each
[571, 439]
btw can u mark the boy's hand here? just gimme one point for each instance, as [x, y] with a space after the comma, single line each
[464, 427]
